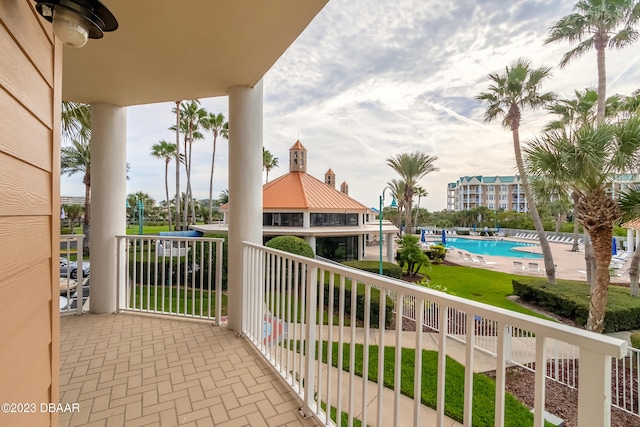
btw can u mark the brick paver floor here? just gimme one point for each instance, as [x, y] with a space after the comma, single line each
[129, 370]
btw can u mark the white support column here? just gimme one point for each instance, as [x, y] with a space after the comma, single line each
[390, 254]
[306, 219]
[108, 199]
[311, 240]
[245, 187]
[630, 240]
[360, 246]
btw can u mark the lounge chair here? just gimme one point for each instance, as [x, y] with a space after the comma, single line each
[461, 256]
[534, 268]
[518, 266]
[485, 262]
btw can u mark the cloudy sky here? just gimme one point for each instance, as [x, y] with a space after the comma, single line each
[372, 78]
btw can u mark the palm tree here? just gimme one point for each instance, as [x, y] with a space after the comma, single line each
[176, 110]
[73, 213]
[76, 158]
[76, 121]
[587, 160]
[165, 151]
[509, 93]
[629, 202]
[223, 197]
[411, 167]
[420, 192]
[268, 162]
[218, 127]
[398, 187]
[191, 116]
[597, 24]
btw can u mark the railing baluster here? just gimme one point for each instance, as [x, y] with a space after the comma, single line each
[310, 353]
[540, 376]
[330, 313]
[352, 349]
[468, 369]
[417, 372]
[501, 366]
[381, 331]
[340, 348]
[443, 325]
[398, 362]
[365, 358]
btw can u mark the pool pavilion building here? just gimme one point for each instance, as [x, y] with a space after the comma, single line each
[336, 226]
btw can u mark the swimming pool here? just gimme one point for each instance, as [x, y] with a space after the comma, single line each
[491, 247]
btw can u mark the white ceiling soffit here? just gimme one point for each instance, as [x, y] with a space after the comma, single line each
[169, 50]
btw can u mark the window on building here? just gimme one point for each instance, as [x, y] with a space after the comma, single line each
[491, 206]
[490, 188]
[284, 219]
[490, 197]
[334, 219]
[344, 248]
[503, 188]
[503, 206]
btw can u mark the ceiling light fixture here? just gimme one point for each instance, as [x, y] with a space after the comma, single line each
[75, 21]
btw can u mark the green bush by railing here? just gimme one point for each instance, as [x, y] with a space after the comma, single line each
[570, 299]
[635, 340]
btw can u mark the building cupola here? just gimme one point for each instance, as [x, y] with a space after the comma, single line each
[330, 178]
[344, 188]
[297, 158]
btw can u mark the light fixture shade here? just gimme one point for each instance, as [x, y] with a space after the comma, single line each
[393, 204]
[77, 20]
[70, 28]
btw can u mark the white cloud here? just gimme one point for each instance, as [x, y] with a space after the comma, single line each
[370, 78]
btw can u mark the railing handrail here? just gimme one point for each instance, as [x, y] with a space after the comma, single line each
[601, 344]
[170, 238]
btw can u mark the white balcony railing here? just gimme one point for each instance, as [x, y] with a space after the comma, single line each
[178, 276]
[73, 283]
[284, 295]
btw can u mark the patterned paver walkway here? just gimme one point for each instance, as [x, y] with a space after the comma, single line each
[128, 370]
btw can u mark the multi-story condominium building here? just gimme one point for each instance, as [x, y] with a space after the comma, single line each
[494, 192]
[507, 193]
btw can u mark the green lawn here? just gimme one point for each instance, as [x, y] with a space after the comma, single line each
[145, 299]
[477, 284]
[516, 414]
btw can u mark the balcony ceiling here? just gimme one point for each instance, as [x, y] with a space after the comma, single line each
[167, 50]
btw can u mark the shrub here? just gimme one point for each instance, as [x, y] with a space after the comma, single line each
[570, 299]
[635, 340]
[292, 244]
[436, 253]
[388, 269]
[411, 254]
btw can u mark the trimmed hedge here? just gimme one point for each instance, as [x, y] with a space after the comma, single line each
[292, 244]
[635, 340]
[570, 299]
[388, 269]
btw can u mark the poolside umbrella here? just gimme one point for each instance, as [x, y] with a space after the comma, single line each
[422, 236]
[444, 237]
[614, 247]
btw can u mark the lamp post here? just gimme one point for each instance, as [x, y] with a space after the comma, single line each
[393, 205]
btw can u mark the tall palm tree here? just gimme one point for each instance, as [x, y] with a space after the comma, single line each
[597, 24]
[73, 213]
[587, 160]
[509, 93]
[269, 161]
[191, 115]
[411, 167]
[176, 111]
[223, 197]
[165, 151]
[218, 126]
[76, 158]
[420, 192]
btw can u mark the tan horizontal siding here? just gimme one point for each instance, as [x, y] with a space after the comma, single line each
[24, 190]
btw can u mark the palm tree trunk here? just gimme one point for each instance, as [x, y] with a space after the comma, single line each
[213, 162]
[634, 271]
[193, 205]
[177, 165]
[185, 209]
[576, 234]
[601, 241]
[589, 260]
[87, 214]
[533, 210]
[415, 220]
[602, 84]
[407, 216]
[166, 188]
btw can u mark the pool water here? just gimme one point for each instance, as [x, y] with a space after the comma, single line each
[491, 247]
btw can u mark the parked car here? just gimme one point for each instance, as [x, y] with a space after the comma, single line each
[70, 269]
